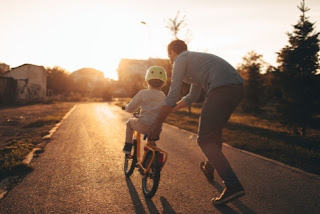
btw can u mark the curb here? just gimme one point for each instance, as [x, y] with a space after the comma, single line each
[6, 183]
[261, 157]
[46, 138]
[54, 129]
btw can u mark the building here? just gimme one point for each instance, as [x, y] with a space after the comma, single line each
[4, 68]
[90, 74]
[131, 73]
[31, 83]
[8, 90]
[129, 68]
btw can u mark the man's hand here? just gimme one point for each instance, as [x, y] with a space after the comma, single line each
[180, 104]
[154, 131]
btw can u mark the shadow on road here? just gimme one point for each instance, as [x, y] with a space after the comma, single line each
[151, 206]
[138, 206]
[167, 208]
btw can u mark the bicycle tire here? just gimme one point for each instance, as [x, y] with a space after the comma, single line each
[150, 181]
[130, 160]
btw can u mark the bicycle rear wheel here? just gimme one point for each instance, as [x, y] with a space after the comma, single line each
[150, 181]
[130, 160]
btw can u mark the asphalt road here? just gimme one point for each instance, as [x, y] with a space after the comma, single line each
[81, 171]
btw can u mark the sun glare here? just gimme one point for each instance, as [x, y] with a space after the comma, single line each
[106, 41]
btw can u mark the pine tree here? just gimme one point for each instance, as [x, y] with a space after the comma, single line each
[298, 66]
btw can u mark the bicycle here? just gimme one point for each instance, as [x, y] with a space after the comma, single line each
[149, 165]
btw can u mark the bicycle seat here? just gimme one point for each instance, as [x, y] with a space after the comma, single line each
[146, 136]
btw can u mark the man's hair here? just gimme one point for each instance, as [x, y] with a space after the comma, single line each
[155, 83]
[177, 46]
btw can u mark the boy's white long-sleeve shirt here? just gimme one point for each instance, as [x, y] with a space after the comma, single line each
[150, 101]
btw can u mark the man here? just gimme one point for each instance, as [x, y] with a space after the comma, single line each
[224, 87]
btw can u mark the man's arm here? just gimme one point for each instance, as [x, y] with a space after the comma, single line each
[180, 104]
[155, 129]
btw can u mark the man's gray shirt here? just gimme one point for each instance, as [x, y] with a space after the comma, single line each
[201, 70]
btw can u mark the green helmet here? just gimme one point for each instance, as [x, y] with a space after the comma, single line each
[156, 72]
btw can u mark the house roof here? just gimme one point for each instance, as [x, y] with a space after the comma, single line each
[26, 65]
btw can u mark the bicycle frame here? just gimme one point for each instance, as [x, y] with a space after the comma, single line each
[150, 146]
[149, 164]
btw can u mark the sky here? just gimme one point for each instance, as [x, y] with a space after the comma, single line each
[74, 34]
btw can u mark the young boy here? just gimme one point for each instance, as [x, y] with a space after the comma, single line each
[149, 100]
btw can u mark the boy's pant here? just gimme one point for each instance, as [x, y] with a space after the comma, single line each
[133, 124]
[216, 111]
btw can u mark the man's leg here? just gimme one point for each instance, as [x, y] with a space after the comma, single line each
[217, 108]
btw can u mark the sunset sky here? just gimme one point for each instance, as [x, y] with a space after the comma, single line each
[73, 34]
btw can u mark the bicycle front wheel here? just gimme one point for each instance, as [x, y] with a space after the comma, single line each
[130, 161]
[150, 181]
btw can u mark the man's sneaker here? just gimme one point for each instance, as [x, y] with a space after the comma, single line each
[207, 170]
[127, 148]
[229, 194]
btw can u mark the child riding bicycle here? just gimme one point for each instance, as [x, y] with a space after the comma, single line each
[149, 101]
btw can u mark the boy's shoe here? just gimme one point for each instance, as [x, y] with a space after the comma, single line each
[207, 170]
[127, 148]
[229, 194]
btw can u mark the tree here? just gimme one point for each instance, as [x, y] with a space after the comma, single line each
[298, 66]
[250, 70]
[108, 90]
[272, 90]
[58, 80]
[176, 24]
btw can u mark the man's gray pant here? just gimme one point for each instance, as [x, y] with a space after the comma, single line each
[216, 110]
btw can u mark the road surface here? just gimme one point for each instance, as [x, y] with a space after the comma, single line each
[81, 171]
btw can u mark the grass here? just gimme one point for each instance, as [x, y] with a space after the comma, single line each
[262, 136]
[266, 137]
[47, 120]
[11, 159]
[13, 154]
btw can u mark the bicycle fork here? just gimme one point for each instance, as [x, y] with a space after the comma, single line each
[162, 157]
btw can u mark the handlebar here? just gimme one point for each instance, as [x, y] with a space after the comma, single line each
[137, 115]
